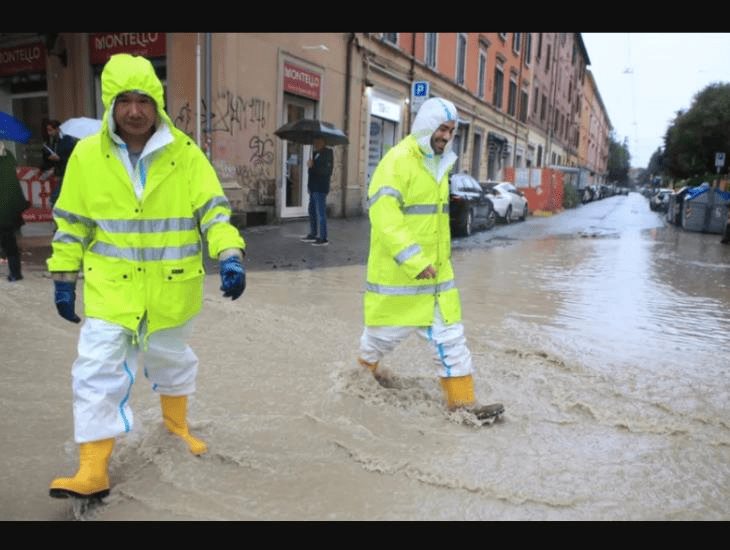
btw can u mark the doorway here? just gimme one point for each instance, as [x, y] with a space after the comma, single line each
[295, 197]
[382, 138]
[32, 110]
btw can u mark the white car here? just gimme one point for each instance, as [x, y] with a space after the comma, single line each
[509, 202]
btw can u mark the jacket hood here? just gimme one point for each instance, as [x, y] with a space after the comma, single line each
[126, 73]
[432, 114]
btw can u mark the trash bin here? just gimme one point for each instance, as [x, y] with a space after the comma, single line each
[705, 209]
[676, 201]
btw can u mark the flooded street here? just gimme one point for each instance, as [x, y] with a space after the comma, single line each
[604, 331]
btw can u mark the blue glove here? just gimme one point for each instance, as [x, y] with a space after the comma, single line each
[233, 277]
[66, 300]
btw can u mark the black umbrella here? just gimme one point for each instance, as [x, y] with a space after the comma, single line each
[305, 130]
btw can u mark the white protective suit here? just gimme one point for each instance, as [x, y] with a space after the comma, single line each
[447, 342]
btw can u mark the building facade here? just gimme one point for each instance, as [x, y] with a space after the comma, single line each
[519, 96]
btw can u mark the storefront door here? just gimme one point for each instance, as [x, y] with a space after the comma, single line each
[295, 198]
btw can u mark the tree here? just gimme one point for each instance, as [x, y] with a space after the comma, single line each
[619, 160]
[695, 135]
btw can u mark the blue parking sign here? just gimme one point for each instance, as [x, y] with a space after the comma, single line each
[420, 88]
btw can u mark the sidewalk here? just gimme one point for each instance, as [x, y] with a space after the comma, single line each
[267, 246]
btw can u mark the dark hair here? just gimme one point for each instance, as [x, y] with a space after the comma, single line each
[55, 124]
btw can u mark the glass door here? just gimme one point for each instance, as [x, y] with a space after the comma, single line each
[295, 198]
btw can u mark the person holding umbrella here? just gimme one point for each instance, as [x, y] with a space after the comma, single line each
[410, 280]
[138, 237]
[57, 149]
[318, 185]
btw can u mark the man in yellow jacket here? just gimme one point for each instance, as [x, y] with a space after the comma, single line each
[137, 199]
[410, 281]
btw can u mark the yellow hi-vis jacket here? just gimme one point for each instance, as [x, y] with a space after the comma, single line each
[140, 256]
[409, 217]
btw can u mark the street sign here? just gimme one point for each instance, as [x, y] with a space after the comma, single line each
[420, 90]
[719, 159]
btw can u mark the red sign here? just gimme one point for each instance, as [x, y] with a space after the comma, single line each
[102, 45]
[301, 81]
[26, 58]
[37, 187]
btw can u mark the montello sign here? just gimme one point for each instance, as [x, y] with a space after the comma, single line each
[26, 58]
[301, 81]
[102, 45]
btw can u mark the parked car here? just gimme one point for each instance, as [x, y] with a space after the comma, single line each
[509, 202]
[469, 206]
[660, 201]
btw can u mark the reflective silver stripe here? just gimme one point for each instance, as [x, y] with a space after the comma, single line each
[410, 290]
[383, 191]
[445, 208]
[219, 200]
[148, 254]
[407, 253]
[73, 218]
[63, 237]
[220, 218]
[421, 209]
[147, 226]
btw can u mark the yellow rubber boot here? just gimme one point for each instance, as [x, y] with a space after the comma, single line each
[92, 479]
[174, 413]
[459, 391]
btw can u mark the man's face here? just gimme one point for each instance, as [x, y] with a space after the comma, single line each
[441, 136]
[51, 131]
[318, 143]
[134, 114]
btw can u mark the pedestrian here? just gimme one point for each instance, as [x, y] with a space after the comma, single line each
[139, 239]
[320, 172]
[57, 149]
[12, 205]
[410, 280]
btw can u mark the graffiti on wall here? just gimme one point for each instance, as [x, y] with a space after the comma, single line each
[249, 177]
[230, 113]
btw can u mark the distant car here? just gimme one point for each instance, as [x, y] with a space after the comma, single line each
[509, 202]
[469, 206]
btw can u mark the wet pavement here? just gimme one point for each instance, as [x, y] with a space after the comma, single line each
[267, 247]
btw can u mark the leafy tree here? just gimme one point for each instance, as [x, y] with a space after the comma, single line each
[619, 160]
[695, 135]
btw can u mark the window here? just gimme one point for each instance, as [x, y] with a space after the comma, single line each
[503, 36]
[498, 87]
[528, 48]
[391, 37]
[536, 95]
[539, 47]
[512, 97]
[516, 41]
[547, 58]
[543, 108]
[460, 58]
[482, 73]
[523, 106]
[431, 49]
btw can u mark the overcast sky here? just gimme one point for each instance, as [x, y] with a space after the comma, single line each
[645, 78]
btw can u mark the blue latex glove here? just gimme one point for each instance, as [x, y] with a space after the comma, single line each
[233, 277]
[66, 300]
